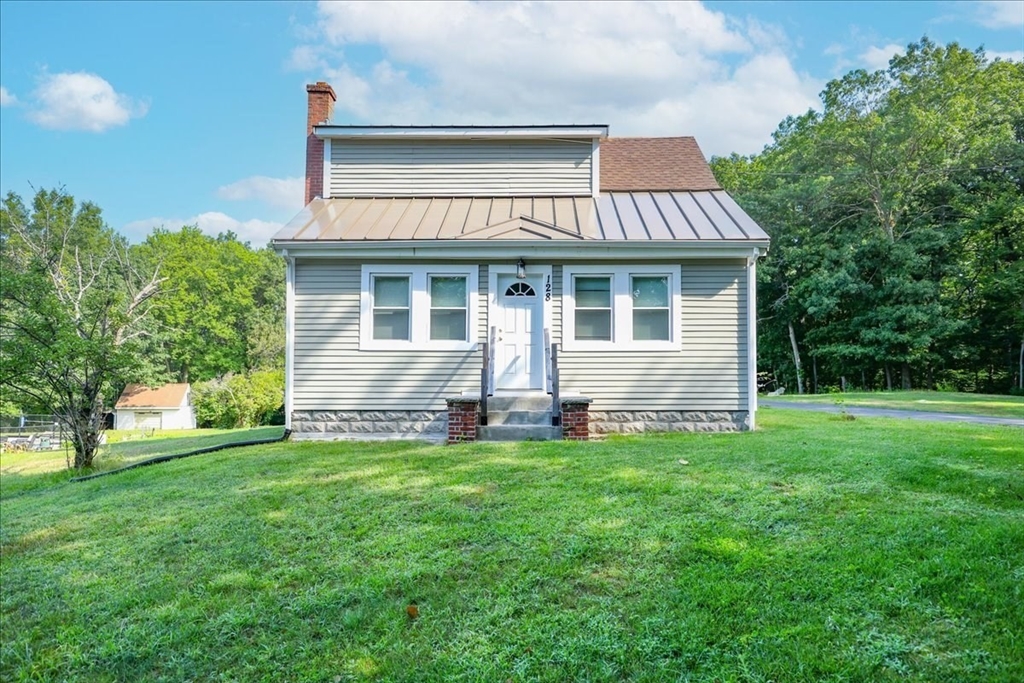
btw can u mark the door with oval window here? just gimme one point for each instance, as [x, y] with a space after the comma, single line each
[519, 346]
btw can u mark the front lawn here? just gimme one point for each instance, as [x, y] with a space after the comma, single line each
[930, 401]
[816, 549]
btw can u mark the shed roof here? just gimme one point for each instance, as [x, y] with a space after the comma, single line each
[141, 396]
[674, 163]
[614, 216]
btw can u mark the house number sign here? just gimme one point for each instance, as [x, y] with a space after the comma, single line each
[547, 288]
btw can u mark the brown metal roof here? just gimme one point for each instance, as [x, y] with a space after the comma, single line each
[634, 216]
[140, 396]
[654, 164]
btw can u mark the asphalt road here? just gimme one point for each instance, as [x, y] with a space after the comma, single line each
[889, 412]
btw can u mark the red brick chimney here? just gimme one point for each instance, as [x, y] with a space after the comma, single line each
[321, 108]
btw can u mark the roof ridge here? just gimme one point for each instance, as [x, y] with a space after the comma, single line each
[650, 137]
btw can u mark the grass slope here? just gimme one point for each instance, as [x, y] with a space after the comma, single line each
[124, 447]
[813, 550]
[930, 401]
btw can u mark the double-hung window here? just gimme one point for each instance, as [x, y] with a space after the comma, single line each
[449, 307]
[621, 308]
[593, 307]
[392, 298]
[418, 307]
[652, 312]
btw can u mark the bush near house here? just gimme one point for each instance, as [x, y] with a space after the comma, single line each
[240, 401]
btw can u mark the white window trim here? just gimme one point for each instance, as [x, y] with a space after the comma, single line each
[622, 306]
[419, 304]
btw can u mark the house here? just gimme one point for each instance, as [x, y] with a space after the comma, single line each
[467, 282]
[165, 407]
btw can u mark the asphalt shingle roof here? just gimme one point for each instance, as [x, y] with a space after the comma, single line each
[654, 164]
[141, 396]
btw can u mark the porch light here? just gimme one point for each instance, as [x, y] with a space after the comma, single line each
[521, 269]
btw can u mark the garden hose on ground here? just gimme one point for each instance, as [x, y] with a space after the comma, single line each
[175, 456]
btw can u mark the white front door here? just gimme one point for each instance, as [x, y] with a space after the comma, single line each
[519, 346]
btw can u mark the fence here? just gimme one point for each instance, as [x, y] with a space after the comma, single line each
[28, 424]
[30, 432]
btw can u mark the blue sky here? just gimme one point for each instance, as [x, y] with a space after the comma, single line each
[190, 112]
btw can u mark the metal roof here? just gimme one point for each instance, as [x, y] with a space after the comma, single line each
[704, 216]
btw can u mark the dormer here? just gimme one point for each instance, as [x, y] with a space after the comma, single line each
[450, 161]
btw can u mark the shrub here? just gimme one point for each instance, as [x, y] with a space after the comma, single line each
[235, 401]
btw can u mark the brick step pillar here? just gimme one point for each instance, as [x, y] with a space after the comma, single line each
[463, 418]
[576, 418]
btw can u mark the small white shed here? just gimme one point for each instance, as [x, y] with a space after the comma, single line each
[165, 407]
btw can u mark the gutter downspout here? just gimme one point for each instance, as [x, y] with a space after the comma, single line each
[289, 339]
[752, 338]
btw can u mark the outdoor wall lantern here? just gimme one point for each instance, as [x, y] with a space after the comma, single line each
[521, 269]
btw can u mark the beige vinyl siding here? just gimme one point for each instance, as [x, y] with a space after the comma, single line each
[459, 168]
[556, 305]
[331, 373]
[709, 373]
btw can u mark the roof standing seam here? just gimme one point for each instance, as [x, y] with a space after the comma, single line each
[714, 196]
[576, 217]
[689, 223]
[618, 215]
[711, 221]
[661, 214]
[642, 216]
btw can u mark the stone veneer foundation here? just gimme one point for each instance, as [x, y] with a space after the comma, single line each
[370, 424]
[433, 425]
[641, 421]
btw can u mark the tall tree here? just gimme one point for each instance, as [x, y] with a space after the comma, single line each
[73, 310]
[896, 219]
[222, 307]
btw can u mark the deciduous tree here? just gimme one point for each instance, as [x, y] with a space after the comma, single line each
[74, 307]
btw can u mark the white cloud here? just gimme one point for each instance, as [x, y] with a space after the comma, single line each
[82, 101]
[875, 58]
[255, 231]
[1000, 13]
[303, 58]
[284, 193]
[643, 68]
[1014, 56]
[7, 99]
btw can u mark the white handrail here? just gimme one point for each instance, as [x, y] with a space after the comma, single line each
[547, 360]
[491, 346]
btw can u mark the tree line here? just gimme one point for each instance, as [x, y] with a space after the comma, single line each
[897, 222]
[83, 313]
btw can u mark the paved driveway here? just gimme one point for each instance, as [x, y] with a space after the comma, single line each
[889, 412]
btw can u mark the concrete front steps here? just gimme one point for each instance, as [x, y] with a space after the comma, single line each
[519, 418]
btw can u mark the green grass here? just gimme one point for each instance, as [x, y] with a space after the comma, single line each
[930, 401]
[816, 549]
[124, 448]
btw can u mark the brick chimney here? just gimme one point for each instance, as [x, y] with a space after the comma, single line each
[321, 108]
